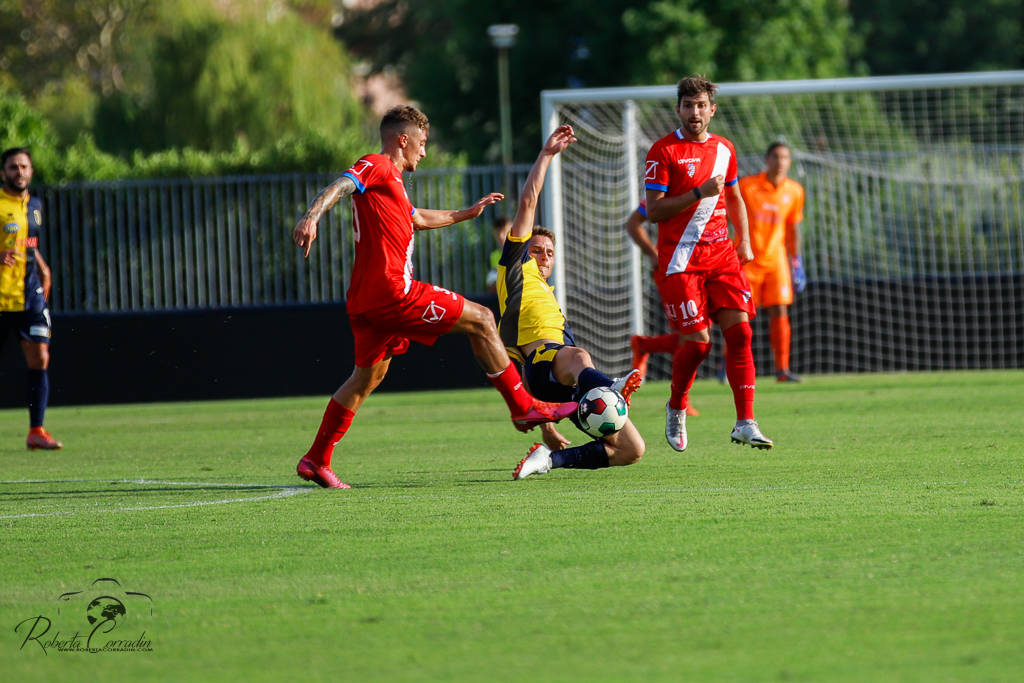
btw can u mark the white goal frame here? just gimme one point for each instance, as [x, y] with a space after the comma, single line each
[553, 210]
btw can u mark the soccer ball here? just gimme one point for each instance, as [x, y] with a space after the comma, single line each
[602, 411]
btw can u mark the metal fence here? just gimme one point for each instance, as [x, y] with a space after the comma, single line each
[226, 242]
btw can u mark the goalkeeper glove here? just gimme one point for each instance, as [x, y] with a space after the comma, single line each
[799, 276]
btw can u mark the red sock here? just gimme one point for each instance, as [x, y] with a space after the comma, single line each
[337, 420]
[780, 334]
[685, 362]
[739, 367]
[663, 343]
[510, 385]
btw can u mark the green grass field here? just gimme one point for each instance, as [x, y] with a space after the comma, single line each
[882, 539]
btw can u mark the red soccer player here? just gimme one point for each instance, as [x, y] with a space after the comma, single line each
[386, 307]
[691, 183]
[641, 345]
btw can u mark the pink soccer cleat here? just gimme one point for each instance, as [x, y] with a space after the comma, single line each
[39, 438]
[322, 475]
[542, 412]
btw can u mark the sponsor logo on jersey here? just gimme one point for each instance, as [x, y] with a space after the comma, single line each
[37, 216]
[32, 242]
[719, 212]
[11, 227]
[433, 313]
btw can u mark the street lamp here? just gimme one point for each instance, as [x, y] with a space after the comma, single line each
[503, 36]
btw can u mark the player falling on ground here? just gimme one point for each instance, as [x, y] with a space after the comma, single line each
[642, 345]
[691, 186]
[535, 332]
[386, 307]
[25, 287]
[775, 208]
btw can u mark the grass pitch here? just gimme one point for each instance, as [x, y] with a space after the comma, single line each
[882, 539]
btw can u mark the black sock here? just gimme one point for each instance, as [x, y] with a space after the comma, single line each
[38, 395]
[589, 456]
[589, 379]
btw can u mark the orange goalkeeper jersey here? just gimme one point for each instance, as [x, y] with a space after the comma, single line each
[771, 214]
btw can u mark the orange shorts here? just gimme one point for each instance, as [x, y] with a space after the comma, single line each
[427, 312]
[772, 286]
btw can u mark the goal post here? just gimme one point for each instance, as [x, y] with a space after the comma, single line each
[912, 239]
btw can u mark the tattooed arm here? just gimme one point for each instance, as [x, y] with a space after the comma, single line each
[305, 230]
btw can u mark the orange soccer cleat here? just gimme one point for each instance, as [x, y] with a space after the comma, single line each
[39, 438]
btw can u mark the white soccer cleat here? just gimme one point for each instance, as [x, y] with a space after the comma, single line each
[747, 432]
[537, 461]
[675, 428]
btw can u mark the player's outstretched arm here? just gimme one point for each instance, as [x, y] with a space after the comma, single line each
[428, 219]
[305, 230]
[522, 224]
[638, 233]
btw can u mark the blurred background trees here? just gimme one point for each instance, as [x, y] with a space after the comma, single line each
[116, 88]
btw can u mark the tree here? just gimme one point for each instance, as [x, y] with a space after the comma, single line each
[442, 51]
[917, 36]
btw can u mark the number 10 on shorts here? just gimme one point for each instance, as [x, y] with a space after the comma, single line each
[685, 312]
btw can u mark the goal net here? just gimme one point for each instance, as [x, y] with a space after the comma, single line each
[912, 235]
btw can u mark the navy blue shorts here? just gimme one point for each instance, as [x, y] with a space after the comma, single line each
[541, 380]
[33, 325]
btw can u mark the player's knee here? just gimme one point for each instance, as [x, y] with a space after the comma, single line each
[739, 335]
[479, 320]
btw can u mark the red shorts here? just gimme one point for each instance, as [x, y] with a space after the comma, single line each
[713, 280]
[427, 312]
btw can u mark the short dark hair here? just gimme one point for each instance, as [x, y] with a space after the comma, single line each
[774, 146]
[401, 119]
[692, 86]
[541, 230]
[8, 153]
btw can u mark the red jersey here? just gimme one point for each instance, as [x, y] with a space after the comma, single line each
[677, 166]
[382, 221]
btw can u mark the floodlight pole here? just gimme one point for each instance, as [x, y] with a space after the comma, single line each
[503, 37]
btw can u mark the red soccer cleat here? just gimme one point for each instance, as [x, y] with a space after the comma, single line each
[542, 412]
[40, 438]
[639, 357]
[322, 475]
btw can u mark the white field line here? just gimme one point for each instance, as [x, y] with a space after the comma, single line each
[282, 492]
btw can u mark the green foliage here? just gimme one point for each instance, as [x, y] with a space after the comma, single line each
[939, 37]
[445, 56]
[22, 126]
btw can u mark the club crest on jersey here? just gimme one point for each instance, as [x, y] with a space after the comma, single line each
[747, 296]
[652, 170]
[691, 169]
[433, 313]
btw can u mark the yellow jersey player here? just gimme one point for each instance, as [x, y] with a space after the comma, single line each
[25, 286]
[535, 332]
